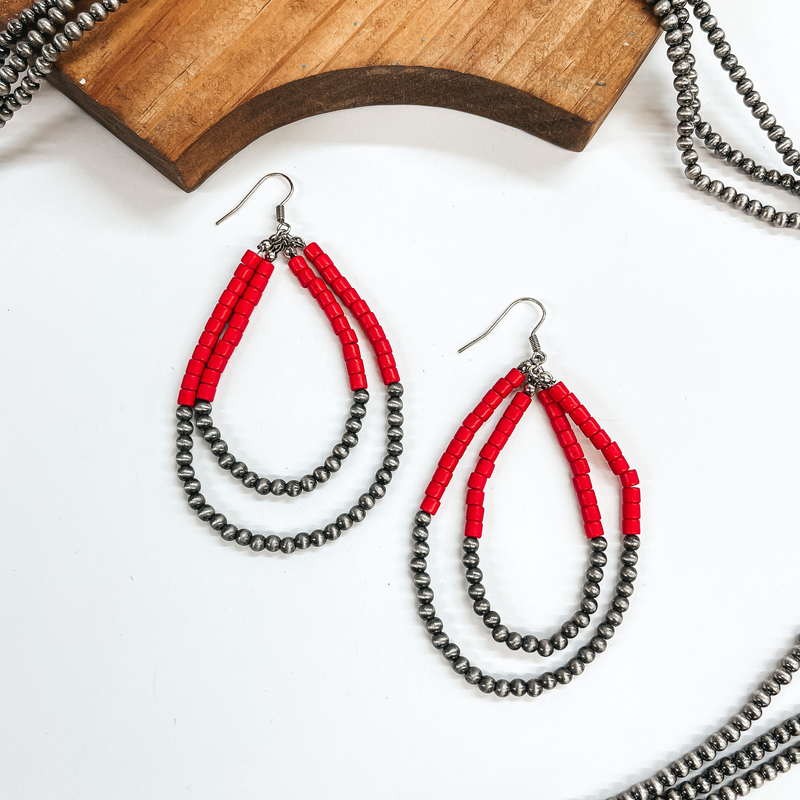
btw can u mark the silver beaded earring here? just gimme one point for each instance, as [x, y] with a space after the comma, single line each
[221, 335]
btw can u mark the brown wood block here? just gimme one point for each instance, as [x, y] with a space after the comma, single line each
[189, 83]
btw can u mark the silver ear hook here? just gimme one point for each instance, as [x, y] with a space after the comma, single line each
[279, 209]
[534, 339]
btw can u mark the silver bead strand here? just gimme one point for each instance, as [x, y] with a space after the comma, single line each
[283, 486]
[674, 20]
[33, 41]
[301, 541]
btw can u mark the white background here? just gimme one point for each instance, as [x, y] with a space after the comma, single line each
[144, 657]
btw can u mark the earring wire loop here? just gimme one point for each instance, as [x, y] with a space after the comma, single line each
[279, 212]
[501, 317]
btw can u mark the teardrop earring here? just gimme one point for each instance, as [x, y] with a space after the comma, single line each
[221, 335]
[529, 380]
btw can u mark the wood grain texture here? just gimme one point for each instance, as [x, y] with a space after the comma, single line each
[189, 83]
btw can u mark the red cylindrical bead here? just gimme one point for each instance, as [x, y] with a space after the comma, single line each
[224, 349]
[582, 483]
[593, 529]
[244, 307]
[217, 363]
[553, 410]
[368, 320]
[566, 439]
[456, 449]
[489, 452]
[579, 467]
[632, 494]
[573, 452]
[358, 381]
[631, 511]
[473, 529]
[475, 513]
[382, 347]
[464, 435]
[347, 335]
[477, 481]
[206, 392]
[561, 424]
[351, 351]
[333, 311]
[590, 427]
[232, 335]
[505, 426]
[207, 339]
[238, 322]
[558, 391]
[258, 283]
[545, 398]
[201, 353]
[492, 399]
[611, 451]
[484, 467]
[569, 403]
[312, 250]
[619, 465]
[317, 286]
[386, 361]
[580, 415]
[359, 308]
[600, 440]
[590, 513]
[448, 462]
[354, 366]
[221, 312]
[515, 378]
[186, 397]
[435, 490]
[587, 498]
[195, 367]
[483, 410]
[251, 259]
[228, 298]
[243, 272]
[498, 439]
[472, 421]
[430, 505]
[306, 277]
[190, 382]
[211, 377]
[475, 497]
[350, 296]
[631, 527]
[251, 295]
[340, 285]
[323, 261]
[443, 476]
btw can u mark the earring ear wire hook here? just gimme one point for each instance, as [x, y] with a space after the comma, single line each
[279, 209]
[533, 339]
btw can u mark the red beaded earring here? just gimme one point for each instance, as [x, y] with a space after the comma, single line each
[562, 409]
[221, 335]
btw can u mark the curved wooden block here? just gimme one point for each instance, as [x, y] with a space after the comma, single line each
[189, 83]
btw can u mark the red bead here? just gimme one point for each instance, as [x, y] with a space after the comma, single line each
[251, 295]
[619, 465]
[590, 427]
[359, 308]
[456, 449]
[265, 270]
[211, 377]
[322, 261]
[513, 414]
[567, 438]
[351, 351]
[228, 298]
[489, 452]
[368, 320]
[224, 349]
[221, 312]
[580, 415]
[561, 424]
[448, 462]
[430, 505]
[350, 296]
[201, 353]
[484, 467]
[245, 308]
[573, 452]
[330, 274]
[593, 529]
[600, 440]
[207, 339]
[317, 286]
[340, 285]
[475, 513]
[464, 435]
[631, 527]
[522, 400]
[503, 387]
[590, 513]
[217, 363]
[375, 333]
[386, 361]
[473, 422]
[587, 498]
[554, 410]
[632, 494]
[214, 326]
[473, 529]
[442, 476]
[195, 367]
[382, 347]
[492, 398]
[258, 282]
[498, 439]
[312, 250]
[515, 378]
[325, 298]
[236, 286]
[477, 481]
[341, 327]
[190, 382]
[251, 259]
[206, 392]
[358, 381]
[483, 410]
[569, 403]
[435, 490]
[243, 272]
[333, 311]
[582, 483]
[505, 426]
[558, 392]
[354, 366]
[186, 397]
[631, 511]
[579, 467]
[475, 497]
[232, 336]
[238, 322]
[390, 375]
[545, 398]
[306, 276]
[611, 451]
